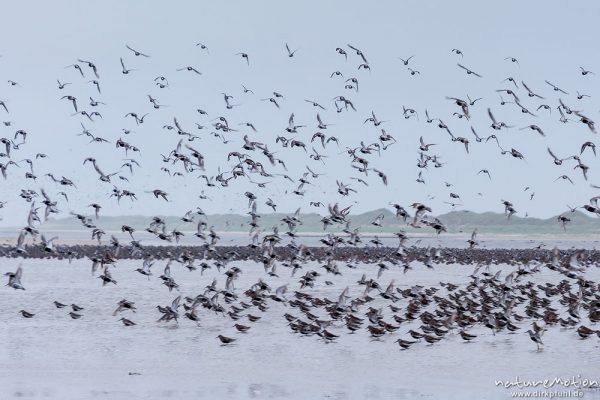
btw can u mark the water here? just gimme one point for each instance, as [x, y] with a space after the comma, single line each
[312, 239]
[52, 356]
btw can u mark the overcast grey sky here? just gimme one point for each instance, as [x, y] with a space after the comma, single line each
[550, 39]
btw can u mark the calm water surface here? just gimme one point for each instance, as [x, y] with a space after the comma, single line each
[52, 356]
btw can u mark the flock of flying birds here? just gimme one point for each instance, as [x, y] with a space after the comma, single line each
[488, 300]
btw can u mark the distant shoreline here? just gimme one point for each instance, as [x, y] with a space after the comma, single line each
[6, 238]
[459, 223]
[416, 234]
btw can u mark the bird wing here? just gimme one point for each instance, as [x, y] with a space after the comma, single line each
[21, 239]
[175, 303]
[98, 169]
[45, 194]
[489, 110]
[280, 291]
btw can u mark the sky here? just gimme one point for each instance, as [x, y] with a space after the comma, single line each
[550, 40]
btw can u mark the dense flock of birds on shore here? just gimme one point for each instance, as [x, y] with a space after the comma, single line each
[502, 302]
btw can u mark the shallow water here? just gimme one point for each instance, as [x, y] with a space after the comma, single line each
[312, 239]
[52, 356]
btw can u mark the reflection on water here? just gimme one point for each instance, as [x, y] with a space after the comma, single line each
[96, 357]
